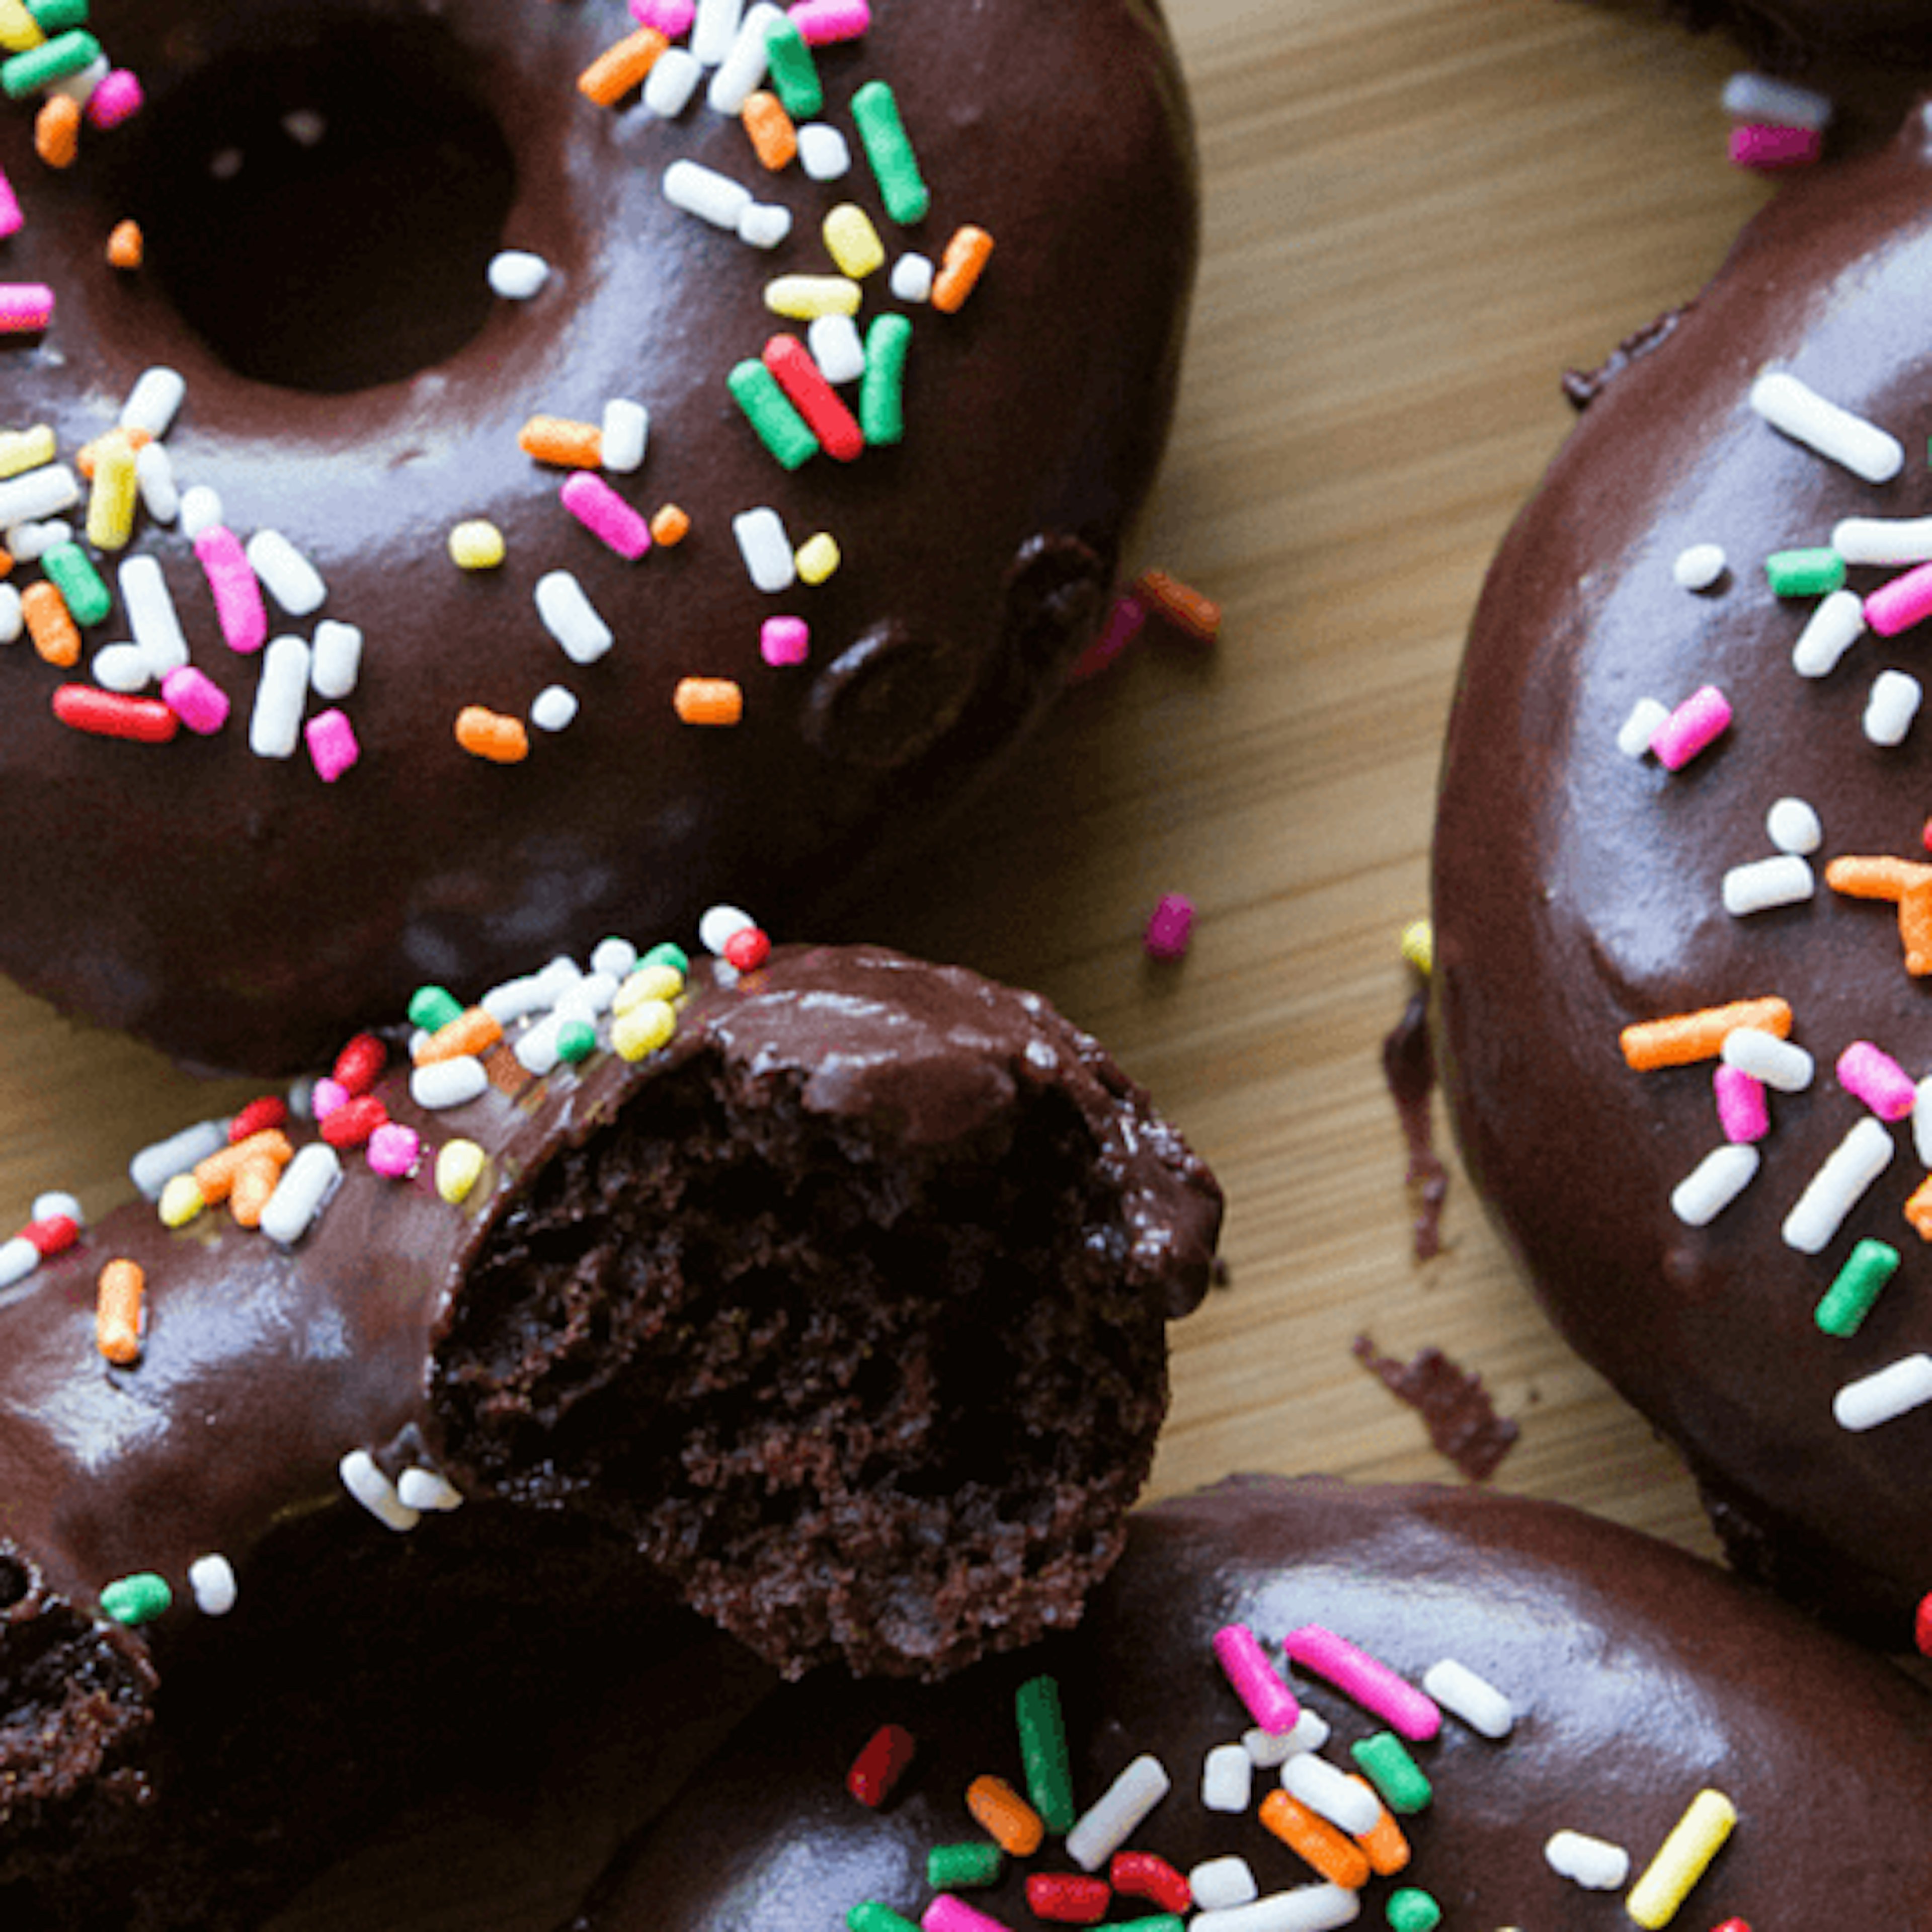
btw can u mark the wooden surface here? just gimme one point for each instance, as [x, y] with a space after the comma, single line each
[1418, 213]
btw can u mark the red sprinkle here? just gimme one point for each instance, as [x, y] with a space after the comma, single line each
[1922, 1624]
[270, 1110]
[359, 1063]
[110, 714]
[352, 1123]
[813, 397]
[880, 1765]
[748, 948]
[1067, 1899]
[50, 1236]
[1145, 1875]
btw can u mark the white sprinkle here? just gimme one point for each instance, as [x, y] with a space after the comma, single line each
[823, 152]
[764, 224]
[1309, 1732]
[154, 477]
[1699, 566]
[766, 550]
[515, 1000]
[1786, 880]
[1884, 540]
[212, 1578]
[19, 1257]
[705, 193]
[1805, 416]
[1779, 1063]
[1107, 1824]
[1714, 1183]
[1477, 1701]
[569, 616]
[30, 542]
[37, 494]
[671, 82]
[1219, 1883]
[743, 66]
[714, 28]
[288, 576]
[1595, 1864]
[1794, 826]
[12, 617]
[338, 658]
[1894, 702]
[1921, 1121]
[554, 708]
[1891, 1392]
[305, 126]
[427, 1489]
[623, 436]
[1757, 97]
[912, 278]
[448, 1083]
[80, 86]
[1227, 1781]
[1326, 1788]
[51, 1206]
[307, 1183]
[200, 510]
[152, 615]
[121, 667]
[720, 925]
[617, 957]
[153, 401]
[589, 998]
[374, 1491]
[555, 980]
[516, 274]
[1308, 1908]
[157, 1164]
[1833, 628]
[837, 347]
[1834, 1191]
[538, 1050]
[274, 729]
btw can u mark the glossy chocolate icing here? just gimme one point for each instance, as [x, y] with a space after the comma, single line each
[1639, 1675]
[262, 1365]
[1790, 34]
[1577, 891]
[977, 555]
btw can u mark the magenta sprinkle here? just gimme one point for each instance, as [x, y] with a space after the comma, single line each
[605, 514]
[1767, 147]
[196, 699]
[1124, 623]
[821, 23]
[393, 1150]
[1877, 1079]
[1170, 927]
[785, 641]
[1743, 1110]
[332, 747]
[117, 99]
[1699, 721]
[326, 1096]
[1370, 1681]
[239, 608]
[11, 219]
[671, 18]
[25, 307]
[948, 1914]
[1904, 601]
[1270, 1702]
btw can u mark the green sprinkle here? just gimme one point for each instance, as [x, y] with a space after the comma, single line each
[767, 409]
[871, 1916]
[1161, 1921]
[1049, 1775]
[961, 1867]
[876, 110]
[666, 954]
[1849, 1300]
[65, 54]
[1804, 573]
[576, 1039]
[1411, 1909]
[138, 1599]
[794, 72]
[55, 16]
[882, 388]
[1387, 1766]
[71, 572]
[431, 1007]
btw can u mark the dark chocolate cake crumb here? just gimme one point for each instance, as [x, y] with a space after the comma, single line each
[1461, 1418]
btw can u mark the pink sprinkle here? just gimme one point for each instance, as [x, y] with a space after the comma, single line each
[1370, 1682]
[785, 641]
[1170, 927]
[1122, 625]
[25, 307]
[1765, 146]
[1904, 601]
[11, 219]
[1703, 718]
[605, 514]
[948, 1914]
[671, 18]
[1743, 1110]
[326, 1096]
[196, 699]
[820, 22]
[1877, 1079]
[239, 607]
[331, 744]
[1270, 1702]
[117, 99]
[393, 1150]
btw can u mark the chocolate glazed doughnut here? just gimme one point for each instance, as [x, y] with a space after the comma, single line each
[322, 189]
[1582, 886]
[1633, 1678]
[1789, 35]
[839, 1315]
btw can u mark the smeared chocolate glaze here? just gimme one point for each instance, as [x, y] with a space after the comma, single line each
[1577, 890]
[1638, 1676]
[1409, 1067]
[977, 554]
[1458, 1411]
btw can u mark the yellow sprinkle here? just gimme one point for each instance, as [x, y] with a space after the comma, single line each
[111, 500]
[1680, 1862]
[476, 545]
[1418, 946]
[18, 29]
[818, 558]
[181, 1200]
[459, 1166]
[645, 1028]
[22, 449]
[648, 983]
[852, 241]
[805, 298]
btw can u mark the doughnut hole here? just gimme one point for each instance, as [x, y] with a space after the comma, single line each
[321, 207]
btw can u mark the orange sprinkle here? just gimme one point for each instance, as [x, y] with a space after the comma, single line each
[1880, 878]
[50, 624]
[126, 246]
[254, 1185]
[1915, 928]
[6, 562]
[1387, 1849]
[1005, 1817]
[670, 526]
[960, 267]
[620, 67]
[1186, 608]
[1918, 1209]
[117, 1312]
[570, 445]
[57, 130]
[774, 139]
[1686, 1038]
[489, 734]
[473, 1031]
[1308, 1835]
[88, 454]
[216, 1175]
[709, 700]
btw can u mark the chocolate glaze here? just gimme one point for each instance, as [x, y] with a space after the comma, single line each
[1577, 891]
[977, 554]
[1457, 1410]
[262, 1365]
[1789, 35]
[1639, 1675]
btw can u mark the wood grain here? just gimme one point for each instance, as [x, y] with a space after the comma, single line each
[1418, 213]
